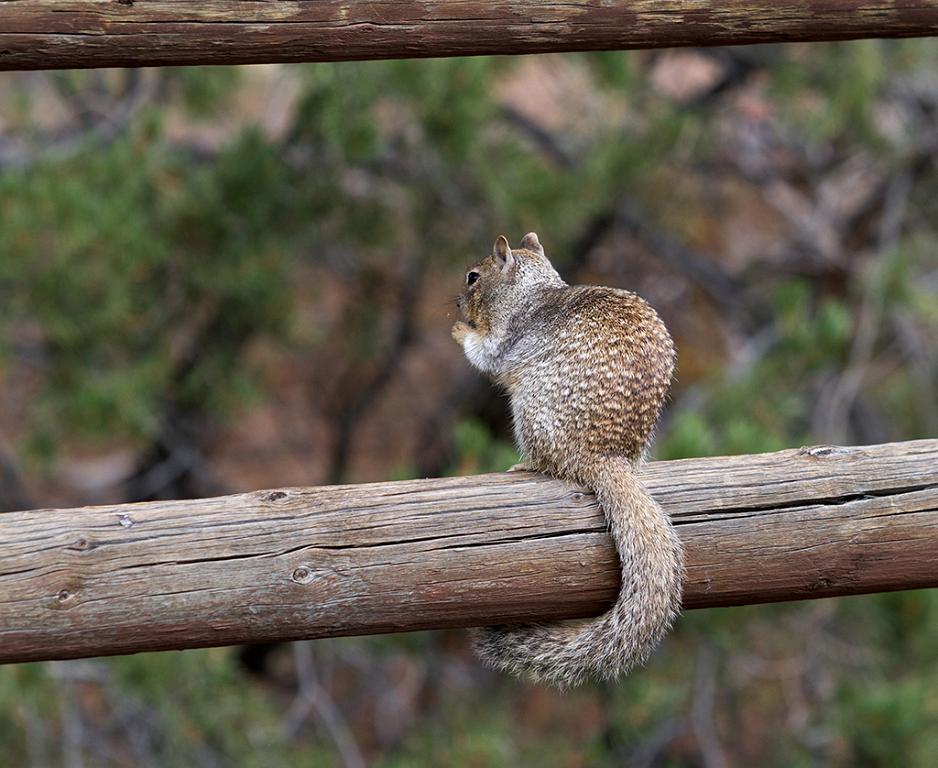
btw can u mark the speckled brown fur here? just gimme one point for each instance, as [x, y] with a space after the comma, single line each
[588, 369]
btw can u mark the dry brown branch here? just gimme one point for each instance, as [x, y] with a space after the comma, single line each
[312, 697]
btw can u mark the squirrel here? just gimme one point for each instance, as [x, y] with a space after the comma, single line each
[587, 369]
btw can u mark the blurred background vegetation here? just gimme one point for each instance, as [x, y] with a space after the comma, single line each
[215, 280]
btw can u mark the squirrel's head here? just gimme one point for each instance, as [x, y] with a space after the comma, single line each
[505, 281]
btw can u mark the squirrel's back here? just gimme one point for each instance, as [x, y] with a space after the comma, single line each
[597, 369]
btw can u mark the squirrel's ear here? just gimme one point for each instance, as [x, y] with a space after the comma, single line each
[531, 243]
[502, 253]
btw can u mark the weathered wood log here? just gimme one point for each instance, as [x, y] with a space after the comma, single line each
[315, 562]
[48, 34]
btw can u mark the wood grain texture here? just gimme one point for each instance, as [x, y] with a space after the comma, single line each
[315, 562]
[48, 34]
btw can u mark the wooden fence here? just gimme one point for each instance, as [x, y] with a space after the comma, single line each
[50, 34]
[314, 562]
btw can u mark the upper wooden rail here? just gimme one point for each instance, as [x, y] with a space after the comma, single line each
[50, 34]
[312, 562]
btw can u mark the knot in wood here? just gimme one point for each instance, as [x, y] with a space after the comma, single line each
[302, 574]
[64, 598]
[823, 451]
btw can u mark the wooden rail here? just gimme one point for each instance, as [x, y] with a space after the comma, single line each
[313, 562]
[50, 34]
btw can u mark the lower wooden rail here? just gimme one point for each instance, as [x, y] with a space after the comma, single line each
[314, 562]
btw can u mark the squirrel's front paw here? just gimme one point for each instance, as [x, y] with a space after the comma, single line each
[459, 331]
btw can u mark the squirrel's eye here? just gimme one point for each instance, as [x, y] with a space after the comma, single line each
[471, 278]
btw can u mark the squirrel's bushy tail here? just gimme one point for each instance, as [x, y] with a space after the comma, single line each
[652, 562]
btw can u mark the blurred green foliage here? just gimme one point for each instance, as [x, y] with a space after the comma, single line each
[140, 268]
[115, 257]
